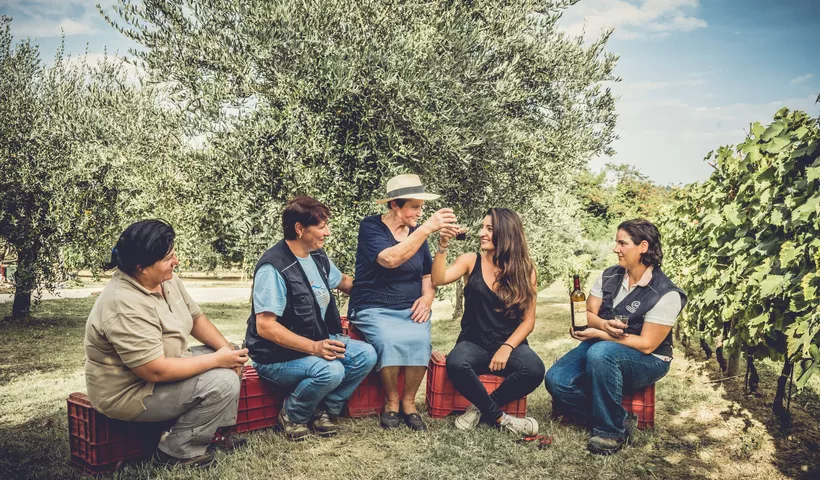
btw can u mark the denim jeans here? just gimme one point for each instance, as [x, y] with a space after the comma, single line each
[319, 383]
[594, 375]
[522, 375]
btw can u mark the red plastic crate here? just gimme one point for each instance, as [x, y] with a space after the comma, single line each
[443, 399]
[259, 402]
[351, 331]
[642, 404]
[100, 444]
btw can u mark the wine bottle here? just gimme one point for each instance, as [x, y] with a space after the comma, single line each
[579, 305]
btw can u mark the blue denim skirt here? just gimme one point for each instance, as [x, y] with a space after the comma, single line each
[398, 340]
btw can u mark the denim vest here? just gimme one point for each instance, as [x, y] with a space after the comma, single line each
[637, 302]
[302, 314]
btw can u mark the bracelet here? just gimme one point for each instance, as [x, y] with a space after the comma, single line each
[441, 250]
[507, 344]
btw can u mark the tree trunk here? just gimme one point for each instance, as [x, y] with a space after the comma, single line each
[706, 349]
[458, 311]
[780, 394]
[24, 283]
[752, 378]
[733, 365]
[22, 304]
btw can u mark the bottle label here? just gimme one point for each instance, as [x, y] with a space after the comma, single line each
[580, 310]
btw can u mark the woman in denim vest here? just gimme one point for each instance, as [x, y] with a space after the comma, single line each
[614, 357]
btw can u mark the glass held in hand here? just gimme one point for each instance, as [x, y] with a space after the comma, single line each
[623, 319]
[344, 339]
[461, 235]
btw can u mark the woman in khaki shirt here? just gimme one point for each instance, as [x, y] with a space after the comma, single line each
[138, 367]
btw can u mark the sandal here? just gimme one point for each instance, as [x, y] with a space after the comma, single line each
[389, 420]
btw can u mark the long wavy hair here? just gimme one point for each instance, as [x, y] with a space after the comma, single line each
[512, 257]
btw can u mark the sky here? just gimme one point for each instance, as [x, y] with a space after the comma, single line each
[694, 73]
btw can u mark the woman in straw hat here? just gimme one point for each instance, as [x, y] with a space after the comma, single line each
[392, 293]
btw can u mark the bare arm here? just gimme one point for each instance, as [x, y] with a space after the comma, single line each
[346, 285]
[396, 255]
[207, 333]
[652, 334]
[441, 274]
[164, 369]
[269, 328]
[421, 307]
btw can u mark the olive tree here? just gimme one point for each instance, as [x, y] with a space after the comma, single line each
[83, 150]
[487, 101]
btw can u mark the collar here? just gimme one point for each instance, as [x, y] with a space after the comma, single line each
[644, 281]
[121, 276]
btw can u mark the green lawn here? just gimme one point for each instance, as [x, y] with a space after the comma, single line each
[704, 428]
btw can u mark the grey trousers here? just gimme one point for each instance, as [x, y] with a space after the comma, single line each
[203, 403]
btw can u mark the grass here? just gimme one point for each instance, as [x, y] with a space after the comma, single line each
[705, 428]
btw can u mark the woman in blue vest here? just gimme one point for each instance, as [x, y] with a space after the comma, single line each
[393, 293]
[499, 314]
[614, 357]
[293, 333]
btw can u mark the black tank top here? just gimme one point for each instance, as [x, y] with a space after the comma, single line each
[484, 322]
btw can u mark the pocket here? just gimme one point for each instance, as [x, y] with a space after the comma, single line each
[303, 304]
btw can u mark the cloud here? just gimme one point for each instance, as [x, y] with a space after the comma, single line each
[801, 79]
[55, 28]
[52, 18]
[133, 73]
[633, 19]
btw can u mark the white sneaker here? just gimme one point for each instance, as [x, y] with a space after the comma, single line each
[469, 419]
[519, 426]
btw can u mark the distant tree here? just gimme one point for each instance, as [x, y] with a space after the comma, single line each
[487, 101]
[82, 150]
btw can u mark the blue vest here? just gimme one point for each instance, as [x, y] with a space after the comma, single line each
[302, 314]
[637, 302]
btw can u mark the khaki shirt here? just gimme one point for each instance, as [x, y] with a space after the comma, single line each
[130, 326]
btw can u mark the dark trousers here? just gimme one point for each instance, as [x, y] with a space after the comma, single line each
[523, 374]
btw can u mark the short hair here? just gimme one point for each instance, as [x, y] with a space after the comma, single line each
[141, 245]
[398, 201]
[639, 230]
[305, 210]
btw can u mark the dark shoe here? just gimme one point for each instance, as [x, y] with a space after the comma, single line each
[294, 431]
[201, 461]
[324, 424]
[389, 420]
[414, 421]
[225, 441]
[604, 445]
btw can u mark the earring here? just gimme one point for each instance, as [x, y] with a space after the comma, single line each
[300, 236]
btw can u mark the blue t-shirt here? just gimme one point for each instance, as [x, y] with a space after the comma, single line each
[270, 293]
[377, 286]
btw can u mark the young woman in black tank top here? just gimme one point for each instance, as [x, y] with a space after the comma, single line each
[499, 313]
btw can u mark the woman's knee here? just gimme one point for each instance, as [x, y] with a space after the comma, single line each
[222, 383]
[458, 361]
[601, 353]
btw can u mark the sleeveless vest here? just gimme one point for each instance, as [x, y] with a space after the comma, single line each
[302, 314]
[637, 302]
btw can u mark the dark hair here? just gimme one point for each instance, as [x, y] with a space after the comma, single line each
[305, 210]
[512, 258]
[398, 201]
[142, 244]
[639, 230]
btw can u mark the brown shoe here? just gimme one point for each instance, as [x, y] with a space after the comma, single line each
[294, 431]
[201, 461]
[324, 424]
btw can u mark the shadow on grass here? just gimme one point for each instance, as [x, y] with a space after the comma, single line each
[797, 441]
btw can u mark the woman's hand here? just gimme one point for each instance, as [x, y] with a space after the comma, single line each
[441, 219]
[499, 361]
[328, 349]
[446, 234]
[588, 334]
[421, 309]
[614, 328]
[227, 357]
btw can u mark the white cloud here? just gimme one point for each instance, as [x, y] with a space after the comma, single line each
[632, 19]
[801, 79]
[43, 28]
[133, 73]
[668, 138]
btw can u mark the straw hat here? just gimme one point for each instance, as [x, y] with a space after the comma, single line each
[406, 186]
